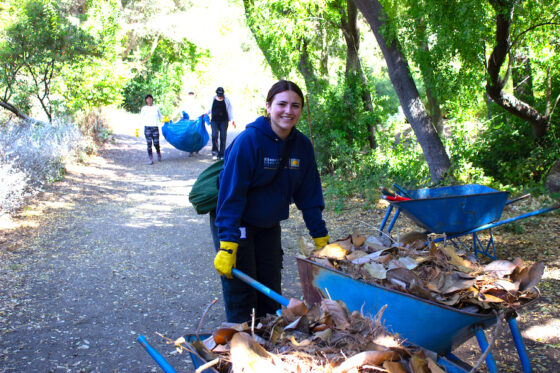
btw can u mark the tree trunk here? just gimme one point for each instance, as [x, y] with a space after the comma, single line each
[414, 110]
[306, 70]
[522, 77]
[349, 23]
[428, 76]
[434, 108]
[495, 85]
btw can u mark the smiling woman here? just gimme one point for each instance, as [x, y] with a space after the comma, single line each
[284, 111]
[268, 165]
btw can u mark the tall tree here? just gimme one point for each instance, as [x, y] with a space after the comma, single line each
[405, 87]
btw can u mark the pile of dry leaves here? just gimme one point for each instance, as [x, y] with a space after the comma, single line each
[324, 338]
[433, 272]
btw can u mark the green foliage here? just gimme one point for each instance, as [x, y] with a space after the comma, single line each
[507, 152]
[94, 81]
[341, 122]
[38, 43]
[66, 63]
[161, 75]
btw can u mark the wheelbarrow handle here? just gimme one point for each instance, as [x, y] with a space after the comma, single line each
[402, 190]
[260, 287]
[158, 358]
[518, 199]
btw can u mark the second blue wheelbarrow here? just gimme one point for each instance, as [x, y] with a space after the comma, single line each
[456, 211]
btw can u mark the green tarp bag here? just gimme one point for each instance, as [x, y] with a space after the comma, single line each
[204, 193]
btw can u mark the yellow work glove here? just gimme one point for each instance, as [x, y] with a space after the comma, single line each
[225, 258]
[320, 242]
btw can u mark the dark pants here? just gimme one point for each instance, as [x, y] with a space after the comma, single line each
[259, 256]
[219, 129]
[152, 134]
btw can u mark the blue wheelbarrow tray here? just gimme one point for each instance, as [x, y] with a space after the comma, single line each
[425, 323]
[454, 209]
[196, 359]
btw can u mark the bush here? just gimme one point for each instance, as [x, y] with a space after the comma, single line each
[33, 154]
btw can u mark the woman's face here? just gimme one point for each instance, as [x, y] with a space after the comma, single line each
[284, 112]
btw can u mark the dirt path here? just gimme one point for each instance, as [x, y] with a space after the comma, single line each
[117, 252]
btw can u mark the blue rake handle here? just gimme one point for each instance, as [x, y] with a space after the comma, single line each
[260, 287]
[158, 358]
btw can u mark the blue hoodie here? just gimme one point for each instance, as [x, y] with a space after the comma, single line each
[246, 194]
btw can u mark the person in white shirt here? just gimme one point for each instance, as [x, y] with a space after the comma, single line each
[150, 117]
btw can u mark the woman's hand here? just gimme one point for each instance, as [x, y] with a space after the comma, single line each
[320, 242]
[225, 258]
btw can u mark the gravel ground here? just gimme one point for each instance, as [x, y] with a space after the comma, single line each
[115, 250]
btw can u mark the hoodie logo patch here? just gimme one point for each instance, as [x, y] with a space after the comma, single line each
[294, 162]
[271, 163]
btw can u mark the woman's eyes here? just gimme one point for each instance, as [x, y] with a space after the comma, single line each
[295, 106]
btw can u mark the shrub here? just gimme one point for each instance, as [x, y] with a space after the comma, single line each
[33, 154]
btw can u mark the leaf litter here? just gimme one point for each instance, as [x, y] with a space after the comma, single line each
[324, 338]
[419, 267]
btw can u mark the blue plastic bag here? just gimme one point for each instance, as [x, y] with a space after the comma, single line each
[187, 135]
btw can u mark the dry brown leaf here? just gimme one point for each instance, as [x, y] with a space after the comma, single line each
[306, 247]
[418, 363]
[489, 298]
[365, 358]
[223, 335]
[332, 251]
[414, 240]
[394, 367]
[336, 312]
[453, 281]
[375, 270]
[455, 259]
[357, 239]
[323, 335]
[500, 268]
[530, 276]
[356, 254]
[434, 368]
[408, 281]
[346, 243]
[249, 356]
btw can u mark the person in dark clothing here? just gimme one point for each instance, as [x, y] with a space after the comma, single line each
[220, 115]
[267, 166]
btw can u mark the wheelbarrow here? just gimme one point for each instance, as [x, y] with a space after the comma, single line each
[451, 365]
[425, 323]
[456, 211]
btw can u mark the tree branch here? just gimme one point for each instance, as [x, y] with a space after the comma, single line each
[495, 85]
[6, 105]
[531, 28]
[153, 48]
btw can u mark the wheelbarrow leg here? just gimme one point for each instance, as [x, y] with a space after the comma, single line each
[525, 363]
[385, 218]
[392, 223]
[483, 343]
[484, 251]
